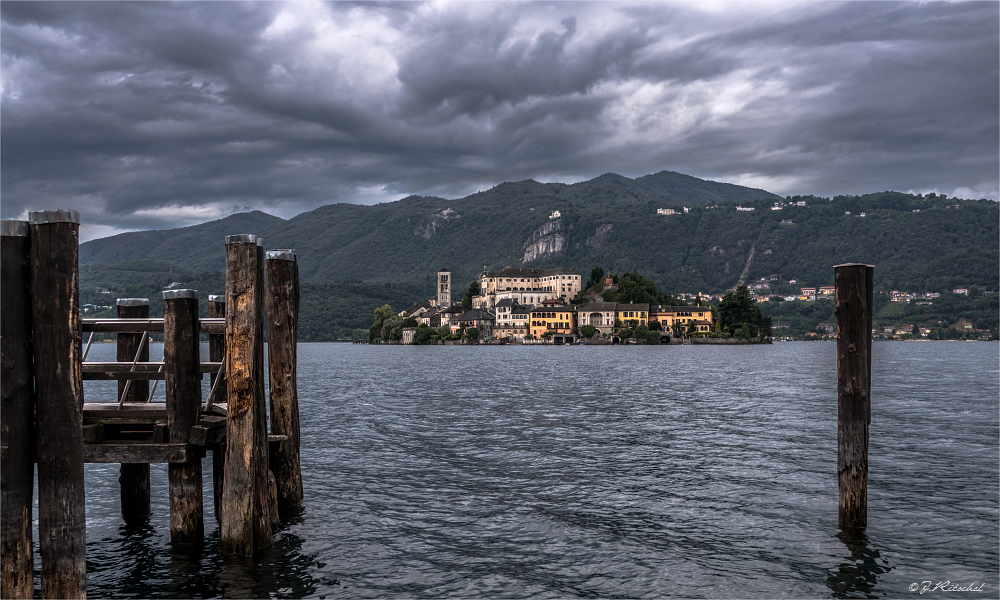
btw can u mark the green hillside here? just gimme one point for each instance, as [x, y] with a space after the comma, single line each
[359, 257]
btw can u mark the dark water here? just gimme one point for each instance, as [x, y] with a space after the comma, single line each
[600, 472]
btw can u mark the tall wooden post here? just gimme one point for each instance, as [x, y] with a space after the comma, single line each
[854, 303]
[55, 326]
[282, 340]
[17, 412]
[246, 523]
[181, 366]
[133, 477]
[216, 353]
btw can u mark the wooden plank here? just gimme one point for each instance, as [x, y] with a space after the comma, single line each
[183, 393]
[120, 368]
[853, 306]
[209, 325]
[282, 344]
[93, 433]
[217, 342]
[133, 478]
[136, 452]
[17, 406]
[62, 525]
[245, 523]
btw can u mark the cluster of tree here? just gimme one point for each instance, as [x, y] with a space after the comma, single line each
[632, 288]
[739, 316]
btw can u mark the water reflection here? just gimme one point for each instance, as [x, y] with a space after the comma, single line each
[280, 571]
[858, 575]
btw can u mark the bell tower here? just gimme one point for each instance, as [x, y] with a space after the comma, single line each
[444, 288]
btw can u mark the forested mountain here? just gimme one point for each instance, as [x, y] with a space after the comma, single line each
[391, 251]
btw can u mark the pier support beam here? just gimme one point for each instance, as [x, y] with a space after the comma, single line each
[134, 478]
[246, 523]
[62, 526]
[216, 353]
[282, 340]
[853, 306]
[181, 365]
[17, 411]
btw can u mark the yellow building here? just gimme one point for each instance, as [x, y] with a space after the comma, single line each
[668, 315]
[560, 320]
[632, 315]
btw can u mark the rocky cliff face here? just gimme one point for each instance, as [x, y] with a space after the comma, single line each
[427, 229]
[600, 236]
[547, 240]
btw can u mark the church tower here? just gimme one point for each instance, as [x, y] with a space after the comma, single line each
[444, 288]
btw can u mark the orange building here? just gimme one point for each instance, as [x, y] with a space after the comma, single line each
[560, 320]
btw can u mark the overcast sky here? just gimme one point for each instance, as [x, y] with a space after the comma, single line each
[156, 115]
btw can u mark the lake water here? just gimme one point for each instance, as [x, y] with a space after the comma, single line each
[626, 471]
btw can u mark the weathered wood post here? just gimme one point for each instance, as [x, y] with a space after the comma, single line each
[133, 477]
[282, 340]
[17, 412]
[182, 383]
[246, 523]
[216, 353]
[55, 327]
[854, 303]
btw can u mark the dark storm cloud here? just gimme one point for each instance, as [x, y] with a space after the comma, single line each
[158, 114]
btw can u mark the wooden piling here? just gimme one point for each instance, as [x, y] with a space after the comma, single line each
[216, 352]
[853, 307]
[62, 532]
[182, 383]
[282, 340]
[246, 523]
[133, 477]
[17, 412]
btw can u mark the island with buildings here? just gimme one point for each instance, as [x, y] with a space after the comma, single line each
[541, 306]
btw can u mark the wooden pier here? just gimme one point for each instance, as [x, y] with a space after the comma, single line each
[256, 472]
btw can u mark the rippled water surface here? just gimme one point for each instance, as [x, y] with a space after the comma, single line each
[641, 471]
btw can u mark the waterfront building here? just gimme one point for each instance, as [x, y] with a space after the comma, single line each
[668, 315]
[560, 320]
[599, 314]
[511, 320]
[474, 318]
[632, 315]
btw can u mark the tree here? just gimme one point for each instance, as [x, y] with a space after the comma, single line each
[641, 331]
[410, 322]
[392, 328]
[472, 334]
[444, 331]
[378, 329]
[738, 308]
[654, 325]
[915, 331]
[473, 291]
[596, 276]
[745, 331]
[588, 331]
[423, 334]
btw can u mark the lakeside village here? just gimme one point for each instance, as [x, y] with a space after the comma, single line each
[553, 306]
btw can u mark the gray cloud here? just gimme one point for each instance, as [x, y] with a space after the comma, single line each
[160, 114]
